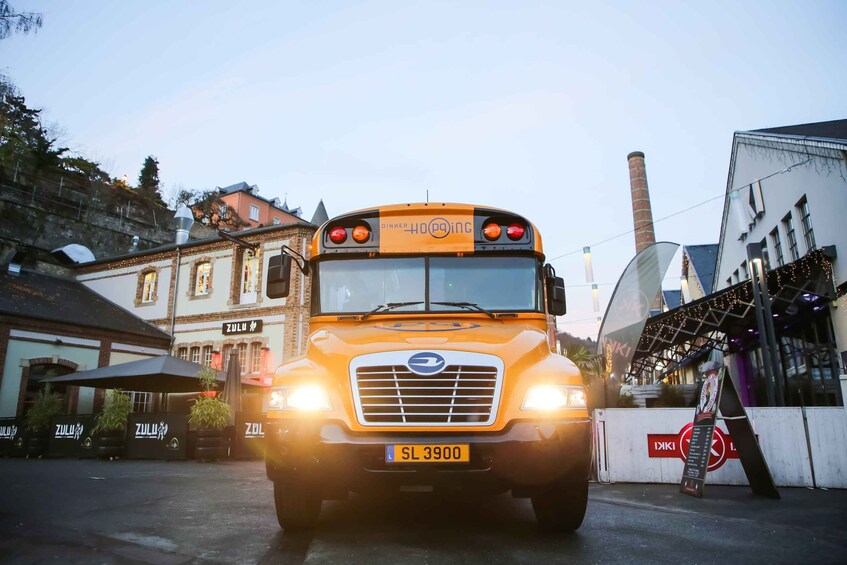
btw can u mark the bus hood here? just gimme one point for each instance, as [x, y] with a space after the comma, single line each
[514, 341]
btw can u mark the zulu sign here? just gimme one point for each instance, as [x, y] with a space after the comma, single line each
[245, 327]
[11, 436]
[675, 446]
[249, 436]
[151, 430]
[70, 436]
[156, 436]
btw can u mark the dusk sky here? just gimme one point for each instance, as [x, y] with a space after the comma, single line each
[528, 106]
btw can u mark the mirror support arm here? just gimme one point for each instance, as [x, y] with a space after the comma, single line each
[302, 264]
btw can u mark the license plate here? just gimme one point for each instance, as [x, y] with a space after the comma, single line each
[427, 453]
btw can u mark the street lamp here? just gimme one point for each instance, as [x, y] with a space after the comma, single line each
[764, 318]
[184, 220]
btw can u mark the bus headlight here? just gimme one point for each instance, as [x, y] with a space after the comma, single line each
[306, 398]
[554, 397]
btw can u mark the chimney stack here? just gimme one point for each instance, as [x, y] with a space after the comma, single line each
[642, 214]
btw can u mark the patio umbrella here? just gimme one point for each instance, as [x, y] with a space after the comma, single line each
[156, 374]
[232, 384]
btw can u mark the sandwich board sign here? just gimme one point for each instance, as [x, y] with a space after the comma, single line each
[718, 395]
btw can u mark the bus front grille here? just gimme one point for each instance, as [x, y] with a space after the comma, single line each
[458, 395]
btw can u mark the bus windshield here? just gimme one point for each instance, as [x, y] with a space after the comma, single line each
[491, 283]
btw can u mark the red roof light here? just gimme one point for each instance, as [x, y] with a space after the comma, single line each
[338, 235]
[515, 231]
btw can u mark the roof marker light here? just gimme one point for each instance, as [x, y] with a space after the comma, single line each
[338, 235]
[492, 232]
[515, 231]
[361, 234]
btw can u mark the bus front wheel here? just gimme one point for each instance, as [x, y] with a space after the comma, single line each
[560, 506]
[298, 505]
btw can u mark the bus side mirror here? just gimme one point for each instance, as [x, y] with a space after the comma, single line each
[279, 276]
[556, 303]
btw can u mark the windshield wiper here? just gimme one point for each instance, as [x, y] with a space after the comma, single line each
[467, 306]
[389, 306]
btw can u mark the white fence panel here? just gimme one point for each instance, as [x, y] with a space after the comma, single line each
[645, 445]
[828, 443]
[783, 442]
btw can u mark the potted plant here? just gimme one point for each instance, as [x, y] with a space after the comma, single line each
[110, 426]
[210, 416]
[47, 404]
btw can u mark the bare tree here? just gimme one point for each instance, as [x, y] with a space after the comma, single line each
[12, 21]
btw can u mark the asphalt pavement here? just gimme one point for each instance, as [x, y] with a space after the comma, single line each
[88, 511]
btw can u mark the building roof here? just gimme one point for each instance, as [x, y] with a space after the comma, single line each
[197, 242]
[672, 298]
[835, 130]
[320, 216]
[704, 260]
[36, 295]
[238, 187]
[253, 189]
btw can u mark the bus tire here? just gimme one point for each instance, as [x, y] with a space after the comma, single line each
[560, 506]
[298, 505]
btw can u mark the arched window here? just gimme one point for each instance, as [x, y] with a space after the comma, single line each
[202, 281]
[249, 279]
[147, 291]
[242, 357]
[256, 357]
[37, 373]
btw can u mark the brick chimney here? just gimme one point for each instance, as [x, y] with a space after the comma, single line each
[642, 214]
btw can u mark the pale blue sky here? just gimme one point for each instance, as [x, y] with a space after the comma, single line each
[529, 106]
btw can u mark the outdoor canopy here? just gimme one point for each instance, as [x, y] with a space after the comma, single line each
[156, 374]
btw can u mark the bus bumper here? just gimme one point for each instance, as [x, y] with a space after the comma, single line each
[527, 454]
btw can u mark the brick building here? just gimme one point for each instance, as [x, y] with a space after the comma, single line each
[51, 326]
[210, 295]
[245, 201]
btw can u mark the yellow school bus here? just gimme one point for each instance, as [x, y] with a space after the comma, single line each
[431, 365]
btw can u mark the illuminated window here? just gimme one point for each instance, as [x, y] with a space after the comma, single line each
[202, 279]
[148, 288]
[249, 279]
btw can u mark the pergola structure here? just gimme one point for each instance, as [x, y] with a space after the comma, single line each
[727, 319]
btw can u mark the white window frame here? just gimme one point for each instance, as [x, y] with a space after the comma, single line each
[256, 357]
[148, 288]
[242, 357]
[202, 280]
[249, 283]
[254, 212]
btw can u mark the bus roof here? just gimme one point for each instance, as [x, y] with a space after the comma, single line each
[431, 227]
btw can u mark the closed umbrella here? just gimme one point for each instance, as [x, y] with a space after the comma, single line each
[232, 385]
